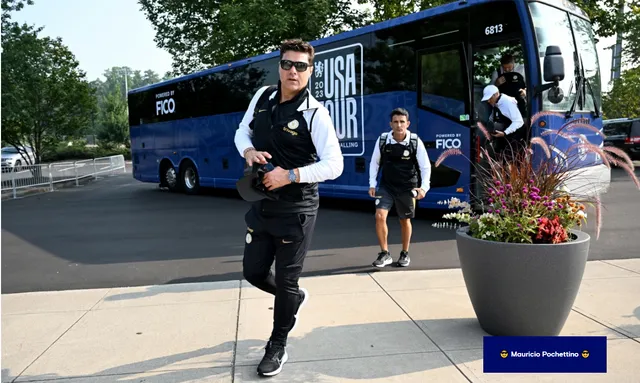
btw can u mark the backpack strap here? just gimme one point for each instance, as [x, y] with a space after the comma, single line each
[383, 141]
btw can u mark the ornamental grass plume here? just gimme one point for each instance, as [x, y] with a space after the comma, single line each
[527, 199]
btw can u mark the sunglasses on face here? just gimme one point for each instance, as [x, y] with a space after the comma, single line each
[299, 65]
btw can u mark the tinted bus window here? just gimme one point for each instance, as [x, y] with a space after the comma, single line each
[442, 82]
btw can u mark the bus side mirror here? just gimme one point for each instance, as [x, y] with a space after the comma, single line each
[553, 73]
[553, 64]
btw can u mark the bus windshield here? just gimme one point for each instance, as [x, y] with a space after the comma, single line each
[557, 27]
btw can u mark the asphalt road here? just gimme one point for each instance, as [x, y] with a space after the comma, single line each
[119, 232]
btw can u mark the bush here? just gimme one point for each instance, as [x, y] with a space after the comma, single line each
[79, 151]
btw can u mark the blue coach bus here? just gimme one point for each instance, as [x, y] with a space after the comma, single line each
[433, 63]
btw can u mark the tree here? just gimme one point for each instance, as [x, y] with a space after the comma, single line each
[607, 22]
[389, 9]
[45, 97]
[624, 98]
[111, 122]
[202, 34]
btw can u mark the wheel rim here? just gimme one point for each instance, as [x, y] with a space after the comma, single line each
[190, 178]
[170, 175]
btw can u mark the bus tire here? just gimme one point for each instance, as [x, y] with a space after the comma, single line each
[169, 177]
[189, 178]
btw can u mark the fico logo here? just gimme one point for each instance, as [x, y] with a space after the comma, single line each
[167, 105]
[448, 143]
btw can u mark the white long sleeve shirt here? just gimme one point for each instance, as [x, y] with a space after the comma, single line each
[323, 135]
[508, 106]
[421, 154]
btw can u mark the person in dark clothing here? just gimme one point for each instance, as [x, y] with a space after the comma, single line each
[406, 173]
[294, 132]
[510, 80]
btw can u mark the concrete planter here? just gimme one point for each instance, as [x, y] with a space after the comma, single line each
[522, 289]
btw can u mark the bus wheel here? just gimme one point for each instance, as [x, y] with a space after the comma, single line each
[189, 178]
[170, 178]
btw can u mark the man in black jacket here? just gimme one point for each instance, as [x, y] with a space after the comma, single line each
[292, 131]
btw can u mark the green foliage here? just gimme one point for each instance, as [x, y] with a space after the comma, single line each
[607, 22]
[79, 151]
[390, 9]
[624, 98]
[45, 96]
[202, 34]
[110, 123]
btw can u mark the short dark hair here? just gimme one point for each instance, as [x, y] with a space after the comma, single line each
[297, 45]
[399, 112]
[507, 59]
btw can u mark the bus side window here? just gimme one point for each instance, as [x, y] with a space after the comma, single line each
[442, 82]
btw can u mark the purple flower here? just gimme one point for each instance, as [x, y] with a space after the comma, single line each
[498, 211]
[490, 211]
[525, 190]
[550, 208]
[490, 200]
[535, 189]
[560, 206]
[531, 181]
[519, 225]
[497, 183]
[508, 186]
[513, 210]
[504, 206]
[546, 198]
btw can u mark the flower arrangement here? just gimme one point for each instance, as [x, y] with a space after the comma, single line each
[528, 202]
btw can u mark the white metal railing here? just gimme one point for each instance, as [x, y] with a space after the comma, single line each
[44, 176]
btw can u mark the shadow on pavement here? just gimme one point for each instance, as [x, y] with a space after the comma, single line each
[358, 352]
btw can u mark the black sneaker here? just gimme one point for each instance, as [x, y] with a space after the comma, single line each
[384, 258]
[274, 358]
[404, 260]
[304, 297]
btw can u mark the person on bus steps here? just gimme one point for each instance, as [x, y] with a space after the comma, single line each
[510, 130]
[286, 126]
[406, 172]
[510, 80]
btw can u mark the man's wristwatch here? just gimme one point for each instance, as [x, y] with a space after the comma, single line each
[292, 176]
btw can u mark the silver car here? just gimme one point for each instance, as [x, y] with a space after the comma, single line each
[14, 160]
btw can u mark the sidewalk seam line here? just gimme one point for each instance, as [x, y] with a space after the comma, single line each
[598, 321]
[422, 330]
[58, 338]
[618, 266]
[235, 344]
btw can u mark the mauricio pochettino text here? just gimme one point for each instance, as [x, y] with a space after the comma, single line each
[568, 354]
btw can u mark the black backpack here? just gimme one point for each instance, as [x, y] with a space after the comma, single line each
[413, 152]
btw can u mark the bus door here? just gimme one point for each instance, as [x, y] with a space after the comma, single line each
[486, 69]
[444, 119]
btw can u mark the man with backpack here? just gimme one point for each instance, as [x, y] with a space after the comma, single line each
[406, 172]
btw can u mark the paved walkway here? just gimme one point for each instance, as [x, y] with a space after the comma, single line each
[397, 326]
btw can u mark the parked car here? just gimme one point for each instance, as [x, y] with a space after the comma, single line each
[14, 160]
[623, 133]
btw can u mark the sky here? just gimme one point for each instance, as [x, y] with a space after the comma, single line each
[107, 33]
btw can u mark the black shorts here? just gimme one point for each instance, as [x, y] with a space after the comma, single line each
[405, 202]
